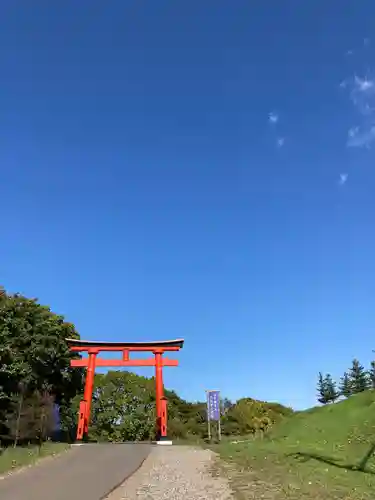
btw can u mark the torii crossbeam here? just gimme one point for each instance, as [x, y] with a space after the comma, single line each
[93, 348]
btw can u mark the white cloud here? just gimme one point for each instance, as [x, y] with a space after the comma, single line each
[363, 84]
[280, 142]
[361, 138]
[344, 84]
[273, 117]
[343, 179]
[362, 95]
[353, 132]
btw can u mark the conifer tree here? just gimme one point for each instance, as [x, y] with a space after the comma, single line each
[327, 390]
[322, 390]
[345, 386]
[371, 374]
[358, 377]
[332, 393]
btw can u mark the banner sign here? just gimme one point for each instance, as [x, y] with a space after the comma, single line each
[213, 405]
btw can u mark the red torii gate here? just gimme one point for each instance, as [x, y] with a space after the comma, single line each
[93, 348]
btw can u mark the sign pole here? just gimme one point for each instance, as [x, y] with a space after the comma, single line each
[208, 417]
[219, 421]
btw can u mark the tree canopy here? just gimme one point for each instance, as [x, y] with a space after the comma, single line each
[34, 355]
[123, 407]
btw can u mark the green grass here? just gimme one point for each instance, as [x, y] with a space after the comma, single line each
[320, 453]
[12, 458]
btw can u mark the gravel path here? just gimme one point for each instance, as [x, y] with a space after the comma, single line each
[175, 473]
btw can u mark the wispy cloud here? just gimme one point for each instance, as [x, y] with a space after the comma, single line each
[366, 43]
[360, 89]
[343, 178]
[361, 138]
[353, 132]
[273, 117]
[363, 85]
[362, 96]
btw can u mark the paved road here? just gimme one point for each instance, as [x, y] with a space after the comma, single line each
[88, 472]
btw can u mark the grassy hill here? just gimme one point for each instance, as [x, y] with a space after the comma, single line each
[319, 453]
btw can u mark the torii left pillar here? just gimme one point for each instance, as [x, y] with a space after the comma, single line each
[94, 348]
[89, 387]
[159, 390]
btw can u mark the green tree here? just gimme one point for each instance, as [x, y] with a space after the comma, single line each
[327, 391]
[123, 407]
[34, 352]
[358, 377]
[322, 389]
[345, 388]
[246, 414]
[372, 375]
[30, 419]
[186, 415]
[226, 405]
[331, 389]
[250, 416]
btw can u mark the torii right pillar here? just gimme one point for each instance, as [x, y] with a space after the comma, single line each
[159, 390]
[161, 401]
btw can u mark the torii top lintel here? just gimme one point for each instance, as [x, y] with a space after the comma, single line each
[76, 345]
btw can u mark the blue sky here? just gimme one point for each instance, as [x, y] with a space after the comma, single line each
[196, 169]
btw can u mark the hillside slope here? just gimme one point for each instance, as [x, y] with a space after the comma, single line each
[323, 452]
[345, 429]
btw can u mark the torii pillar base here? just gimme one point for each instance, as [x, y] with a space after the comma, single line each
[164, 442]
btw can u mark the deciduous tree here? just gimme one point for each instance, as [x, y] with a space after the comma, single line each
[34, 352]
[123, 407]
[30, 418]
